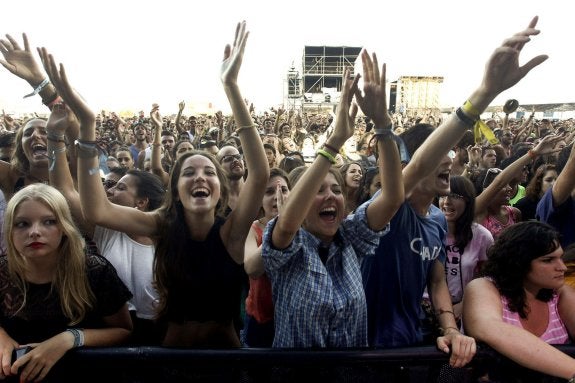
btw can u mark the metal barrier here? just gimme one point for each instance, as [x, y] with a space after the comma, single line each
[158, 364]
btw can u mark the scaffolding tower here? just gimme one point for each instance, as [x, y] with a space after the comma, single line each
[413, 95]
[320, 84]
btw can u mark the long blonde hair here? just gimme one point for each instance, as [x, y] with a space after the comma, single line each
[70, 279]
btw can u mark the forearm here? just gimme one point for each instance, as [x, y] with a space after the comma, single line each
[523, 348]
[565, 182]
[252, 147]
[384, 207]
[299, 202]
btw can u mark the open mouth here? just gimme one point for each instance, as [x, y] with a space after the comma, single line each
[200, 193]
[328, 213]
[444, 176]
[39, 150]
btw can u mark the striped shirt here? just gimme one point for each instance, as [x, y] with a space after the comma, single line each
[556, 333]
[319, 305]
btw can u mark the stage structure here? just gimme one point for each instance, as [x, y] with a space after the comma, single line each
[319, 85]
[414, 95]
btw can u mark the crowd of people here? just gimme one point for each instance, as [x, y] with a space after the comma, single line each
[355, 228]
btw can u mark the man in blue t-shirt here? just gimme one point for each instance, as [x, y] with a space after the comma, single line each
[411, 256]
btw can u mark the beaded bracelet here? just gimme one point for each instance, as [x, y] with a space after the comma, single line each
[78, 337]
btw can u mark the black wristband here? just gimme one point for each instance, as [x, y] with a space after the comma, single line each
[464, 117]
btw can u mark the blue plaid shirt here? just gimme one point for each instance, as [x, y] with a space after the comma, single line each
[319, 305]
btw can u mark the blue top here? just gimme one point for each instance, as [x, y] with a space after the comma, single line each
[319, 305]
[396, 277]
[561, 217]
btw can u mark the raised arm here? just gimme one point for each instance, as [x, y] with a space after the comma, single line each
[157, 168]
[21, 63]
[545, 146]
[179, 125]
[565, 183]
[373, 104]
[252, 191]
[299, 201]
[482, 317]
[95, 204]
[501, 72]
[59, 171]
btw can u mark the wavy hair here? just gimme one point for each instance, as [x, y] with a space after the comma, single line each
[19, 159]
[533, 189]
[509, 260]
[70, 280]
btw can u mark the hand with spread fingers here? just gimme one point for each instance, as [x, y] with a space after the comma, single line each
[502, 70]
[20, 62]
[373, 102]
[233, 56]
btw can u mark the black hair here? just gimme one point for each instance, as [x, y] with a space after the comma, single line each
[148, 186]
[509, 260]
[463, 233]
[415, 136]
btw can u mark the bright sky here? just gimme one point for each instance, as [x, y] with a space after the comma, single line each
[127, 54]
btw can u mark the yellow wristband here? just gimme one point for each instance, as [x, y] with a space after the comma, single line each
[470, 110]
[327, 155]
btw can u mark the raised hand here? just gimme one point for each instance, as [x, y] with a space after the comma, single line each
[181, 106]
[155, 116]
[58, 121]
[233, 56]
[547, 144]
[502, 69]
[20, 62]
[60, 81]
[346, 112]
[373, 102]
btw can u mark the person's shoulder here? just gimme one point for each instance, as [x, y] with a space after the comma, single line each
[480, 230]
[96, 262]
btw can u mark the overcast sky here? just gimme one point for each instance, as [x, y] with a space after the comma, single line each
[125, 55]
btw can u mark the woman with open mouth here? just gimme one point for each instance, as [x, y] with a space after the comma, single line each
[312, 250]
[199, 254]
[492, 208]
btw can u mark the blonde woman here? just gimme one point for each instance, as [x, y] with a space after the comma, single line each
[55, 297]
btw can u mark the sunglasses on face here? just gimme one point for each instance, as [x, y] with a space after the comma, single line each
[232, 157]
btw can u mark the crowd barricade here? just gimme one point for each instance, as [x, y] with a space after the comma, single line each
[410, 365]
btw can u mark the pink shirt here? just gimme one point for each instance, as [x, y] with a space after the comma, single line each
[492, 224]
[556, 333]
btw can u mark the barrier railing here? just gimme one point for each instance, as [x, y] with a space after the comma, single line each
[158, 364]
